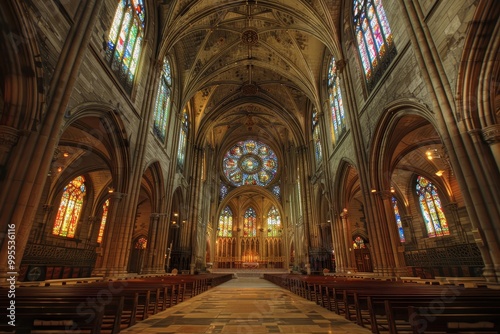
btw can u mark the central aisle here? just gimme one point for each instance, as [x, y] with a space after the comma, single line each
[247, 305]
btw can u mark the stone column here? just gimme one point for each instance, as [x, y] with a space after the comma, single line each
[151, 251]
[491, 135]
[340, 245]
[481, 194]
[26, 181]
[395, 250]
[8, 139]
[113, 239]
[347, 239]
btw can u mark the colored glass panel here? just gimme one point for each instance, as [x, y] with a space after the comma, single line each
[223, 191]
[249, 223]
[336, 104]
[430, 206]
[125, 39]
[273, 222]
[277, 191]
[162, 108]
[225, 227]
[70, 208]
[105, 208]
[250, 162]
[141, 243]
[373, 33]
[181, 152]
[398, 220]
[318, 153]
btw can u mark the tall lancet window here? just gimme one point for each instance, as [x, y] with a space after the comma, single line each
[335, 98]
[105, 208]
[398, 219]
[430, 205]
[318, 153]
[273, 222]
[249, 223]
[70, 208]
[374, 37]
[125, 39]
[163, 102]
[181, 152]
[225, 228]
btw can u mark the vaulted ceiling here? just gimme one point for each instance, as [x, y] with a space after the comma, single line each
[250, 68]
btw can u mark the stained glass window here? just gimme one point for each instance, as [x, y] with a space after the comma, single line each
[250, 162]
[316, 138]
[250, 223]
[273, 222]
[163, 103]
[70, 208]
[105, 208]
[277, 191]
[125, 39]
[335, 98]
[181, 152]
[358, 243]
[225, 228]
[398, 219]
[223, 191]
[141, 243]
[432, 212]
[374, 36]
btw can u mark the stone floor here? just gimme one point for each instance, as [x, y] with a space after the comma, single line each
[247, 305]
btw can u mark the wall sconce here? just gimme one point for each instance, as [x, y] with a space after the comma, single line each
[393, 190]
[111, 190]
[439, 172]
[65, 154]
[59, 169]
[374, 190]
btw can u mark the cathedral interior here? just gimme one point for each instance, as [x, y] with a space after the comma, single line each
[307, 136]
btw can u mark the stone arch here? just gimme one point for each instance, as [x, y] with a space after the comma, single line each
[20, 70]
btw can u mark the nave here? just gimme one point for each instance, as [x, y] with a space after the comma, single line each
[247, 305]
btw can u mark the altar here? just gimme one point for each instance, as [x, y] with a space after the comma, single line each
[250, 264]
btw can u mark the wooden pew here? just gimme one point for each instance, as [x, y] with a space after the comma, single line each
[102, 306]
[383, 305]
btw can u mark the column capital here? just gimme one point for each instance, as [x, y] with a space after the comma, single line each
[8, 137]
[118, 195]
[491, 134]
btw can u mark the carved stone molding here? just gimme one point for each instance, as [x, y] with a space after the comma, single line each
[491, 134]
[8, 138]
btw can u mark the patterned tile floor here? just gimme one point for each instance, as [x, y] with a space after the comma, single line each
[247, 305]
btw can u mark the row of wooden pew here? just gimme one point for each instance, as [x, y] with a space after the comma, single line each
[99, 307]
[397, 307]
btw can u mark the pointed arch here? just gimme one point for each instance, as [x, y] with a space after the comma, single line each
[70, 207]
[163, 101]
[336, 103]
[125, 37]
[250, 223]
[374, 38]
[225, 224]
[183, 136]
[431, 208]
